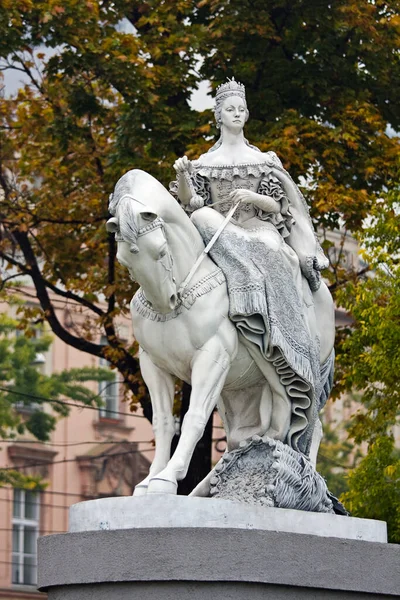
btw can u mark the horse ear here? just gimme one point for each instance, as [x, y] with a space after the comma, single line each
[148, 216]
[112, 225]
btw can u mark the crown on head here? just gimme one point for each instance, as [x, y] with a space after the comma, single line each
[230, 88]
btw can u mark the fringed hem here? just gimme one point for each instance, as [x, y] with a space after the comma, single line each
[247, 303]
[203, 286]
[327, 372]
[143, 307]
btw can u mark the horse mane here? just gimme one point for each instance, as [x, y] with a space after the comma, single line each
[123, 187]
[128, 227]
[136, 187]
[123, 201]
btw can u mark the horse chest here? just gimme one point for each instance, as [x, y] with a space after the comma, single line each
[173, 344]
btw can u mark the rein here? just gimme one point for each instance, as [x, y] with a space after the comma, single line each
[206, 250]
[158, 222]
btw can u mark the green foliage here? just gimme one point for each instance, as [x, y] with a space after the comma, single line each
[23, 384]
[368, 359]
[336, 457]
[19, 480]
[30, 402]
[374, 486]
[323, 81]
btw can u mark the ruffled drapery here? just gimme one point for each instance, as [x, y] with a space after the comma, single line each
[266, 306]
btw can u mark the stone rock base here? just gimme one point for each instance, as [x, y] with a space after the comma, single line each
[266, 472]
[163, 510]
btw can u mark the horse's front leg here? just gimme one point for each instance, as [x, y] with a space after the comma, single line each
[209, 370]
[161, 387]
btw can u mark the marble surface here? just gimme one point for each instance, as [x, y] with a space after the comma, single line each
[167, 511]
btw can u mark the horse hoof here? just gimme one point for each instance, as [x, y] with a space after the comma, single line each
[162, 486]
[140, 490]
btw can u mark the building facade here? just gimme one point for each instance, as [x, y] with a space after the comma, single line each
[93, 453]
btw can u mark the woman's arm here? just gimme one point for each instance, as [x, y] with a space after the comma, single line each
[265, 203]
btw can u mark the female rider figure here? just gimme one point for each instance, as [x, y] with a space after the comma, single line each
[272, 262]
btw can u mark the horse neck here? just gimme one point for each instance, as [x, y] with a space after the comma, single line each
[184, 241]
[185, 244]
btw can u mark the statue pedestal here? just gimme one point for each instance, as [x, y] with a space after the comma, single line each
[168, 547]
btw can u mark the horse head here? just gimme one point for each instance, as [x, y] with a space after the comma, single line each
[143, 249]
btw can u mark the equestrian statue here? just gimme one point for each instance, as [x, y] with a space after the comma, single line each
[231, 301]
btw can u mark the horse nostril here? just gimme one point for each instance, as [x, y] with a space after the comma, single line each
[172, 301]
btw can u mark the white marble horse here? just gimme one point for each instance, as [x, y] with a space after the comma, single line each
[187, 333]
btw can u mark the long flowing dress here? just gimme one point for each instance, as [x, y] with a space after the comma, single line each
[269, 282]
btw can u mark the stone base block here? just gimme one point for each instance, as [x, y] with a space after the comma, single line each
[225, 563]
[160, 510]
[200, 591]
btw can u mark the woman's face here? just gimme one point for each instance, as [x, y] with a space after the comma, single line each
[234, 113]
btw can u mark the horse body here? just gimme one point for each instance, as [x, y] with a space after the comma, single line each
[203, 348]
[181, 338]
[187, 333]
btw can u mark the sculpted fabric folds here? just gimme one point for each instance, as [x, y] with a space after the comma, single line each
[266, 308]
[267, 294]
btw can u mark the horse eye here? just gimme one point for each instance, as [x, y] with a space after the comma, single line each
[148, 216]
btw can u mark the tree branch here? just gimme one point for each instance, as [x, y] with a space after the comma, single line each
[4, 281]
[126, 363]
[112, 251]
[45, 301]
[63, 293]
[25, 69]
[338, 284]
[4, 184]
[23, 268]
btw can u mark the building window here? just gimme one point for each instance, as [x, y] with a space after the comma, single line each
[25, 533]
[109, 392]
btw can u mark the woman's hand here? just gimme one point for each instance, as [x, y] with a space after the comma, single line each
[183, 167]
[266, 203]
[243, 195]
[182, 164]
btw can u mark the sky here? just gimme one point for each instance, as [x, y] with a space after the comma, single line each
[12, 81]
[200, 99]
